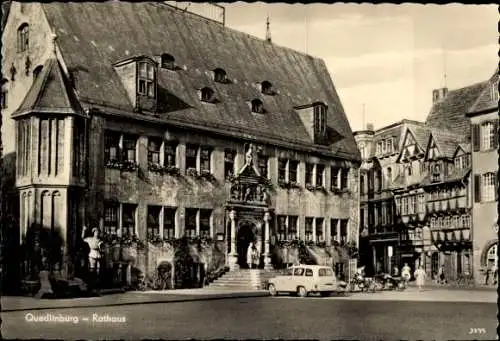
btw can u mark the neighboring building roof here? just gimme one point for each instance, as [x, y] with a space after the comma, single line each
[446, 141]
[50, 93]
[488, 100]
[421, 134]
[198, 46]
[449, 113]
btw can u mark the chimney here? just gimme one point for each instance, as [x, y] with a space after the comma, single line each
[369, 126]
[439, 94]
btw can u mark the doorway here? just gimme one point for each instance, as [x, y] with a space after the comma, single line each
[245, 236]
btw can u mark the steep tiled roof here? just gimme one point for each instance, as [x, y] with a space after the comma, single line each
[446, 142]
[449, 113]
[93, 36]
[421, 134]
[487, 100]
[50, 93]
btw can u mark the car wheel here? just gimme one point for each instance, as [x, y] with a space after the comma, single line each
[301, 292]
[272, 290]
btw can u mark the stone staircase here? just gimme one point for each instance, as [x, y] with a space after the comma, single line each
[244, 279]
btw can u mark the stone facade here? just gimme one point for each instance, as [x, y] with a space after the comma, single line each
[66, 177]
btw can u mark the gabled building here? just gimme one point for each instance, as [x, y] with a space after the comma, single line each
[434, 201]
[380, 174]
[152, 123]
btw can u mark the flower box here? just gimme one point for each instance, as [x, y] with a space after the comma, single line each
[129, 166]
[335, 190]
[206, 175]
[192, 172]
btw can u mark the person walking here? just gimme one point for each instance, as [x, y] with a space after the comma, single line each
[406, 273]
[441, 276]
[420, 277]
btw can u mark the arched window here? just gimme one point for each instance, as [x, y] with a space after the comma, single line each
[167, 61]
[220, 76]
[266, 88]
[257, 106]
[23, 38]
[491, 256]
[207, 95]
[36, 71]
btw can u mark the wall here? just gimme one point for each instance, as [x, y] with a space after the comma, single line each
[38, 52]
[484, 214]
[185, 192]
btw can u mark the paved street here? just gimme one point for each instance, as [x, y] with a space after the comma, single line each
[357, 316]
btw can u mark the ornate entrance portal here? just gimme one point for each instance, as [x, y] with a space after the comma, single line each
[249, 215]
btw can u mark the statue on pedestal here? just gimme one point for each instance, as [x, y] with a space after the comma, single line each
[94, 244]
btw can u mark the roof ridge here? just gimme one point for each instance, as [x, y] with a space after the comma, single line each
[221, 26]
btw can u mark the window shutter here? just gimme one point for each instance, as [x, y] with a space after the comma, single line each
[475, 137]
[495, 131]
[477, 188]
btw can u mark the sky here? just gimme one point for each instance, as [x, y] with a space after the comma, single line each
[386, 58]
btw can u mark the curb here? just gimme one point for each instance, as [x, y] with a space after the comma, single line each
[185, 298]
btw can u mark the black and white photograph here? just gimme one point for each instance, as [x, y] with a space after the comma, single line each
[200, 170]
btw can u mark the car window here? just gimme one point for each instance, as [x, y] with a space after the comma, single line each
[288, 272]
[309, 272]
[298, 272]
[325, 272]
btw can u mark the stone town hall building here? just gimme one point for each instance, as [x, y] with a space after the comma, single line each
[153, 123]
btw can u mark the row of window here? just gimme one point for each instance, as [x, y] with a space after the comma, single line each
[385, 146]
[412, 204]
[123, 148]
[120, 218]
[457, 221]
[314, 229]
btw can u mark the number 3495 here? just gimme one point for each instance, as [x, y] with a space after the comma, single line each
[477, 330]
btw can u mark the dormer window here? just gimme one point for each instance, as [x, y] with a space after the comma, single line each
[207, 95]
[167, 61]
[257, 106]
[23, 38]
[146, 79]
[266, 88]
[220, 76]
[320, 118]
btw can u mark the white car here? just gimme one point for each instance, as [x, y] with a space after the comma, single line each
[305, 279]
